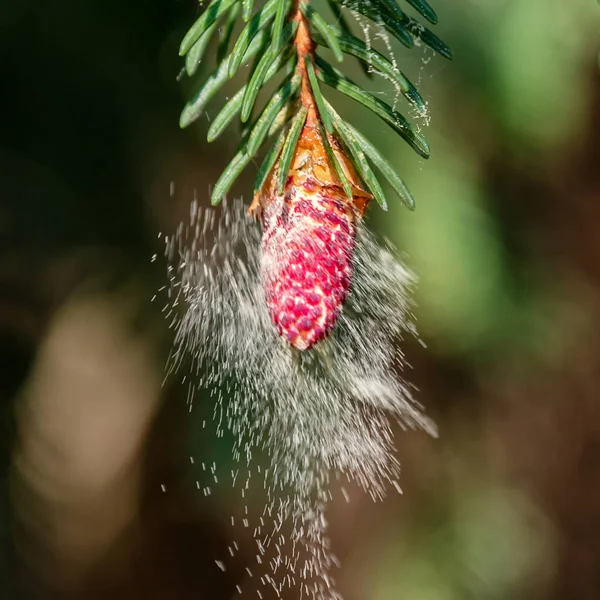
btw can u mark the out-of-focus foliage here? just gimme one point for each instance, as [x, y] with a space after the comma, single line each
[520, 93]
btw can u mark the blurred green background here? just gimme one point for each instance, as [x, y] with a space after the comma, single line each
[100, 482]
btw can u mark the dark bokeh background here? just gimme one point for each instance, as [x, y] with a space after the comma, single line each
[98, 494]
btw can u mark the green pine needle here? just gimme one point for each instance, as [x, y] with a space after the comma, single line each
[278, 25]
[314, 84]
[247, 6]
[289, 147]
[196, 53]
[336, 163]
[424, 9]
[256, 82]
[428, 38]
[268, 163]
[320, 25]
[208, 18]
[393, 9]
[233, 170]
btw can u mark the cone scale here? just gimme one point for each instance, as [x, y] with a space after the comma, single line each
[308, 240]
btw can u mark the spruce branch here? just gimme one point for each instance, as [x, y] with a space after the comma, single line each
[282, 39]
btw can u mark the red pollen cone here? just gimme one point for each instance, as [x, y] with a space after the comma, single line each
[308, 242]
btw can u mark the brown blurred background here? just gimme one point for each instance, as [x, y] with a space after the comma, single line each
[100, 483]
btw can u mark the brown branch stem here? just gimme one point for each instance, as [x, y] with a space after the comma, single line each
[305, 46]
